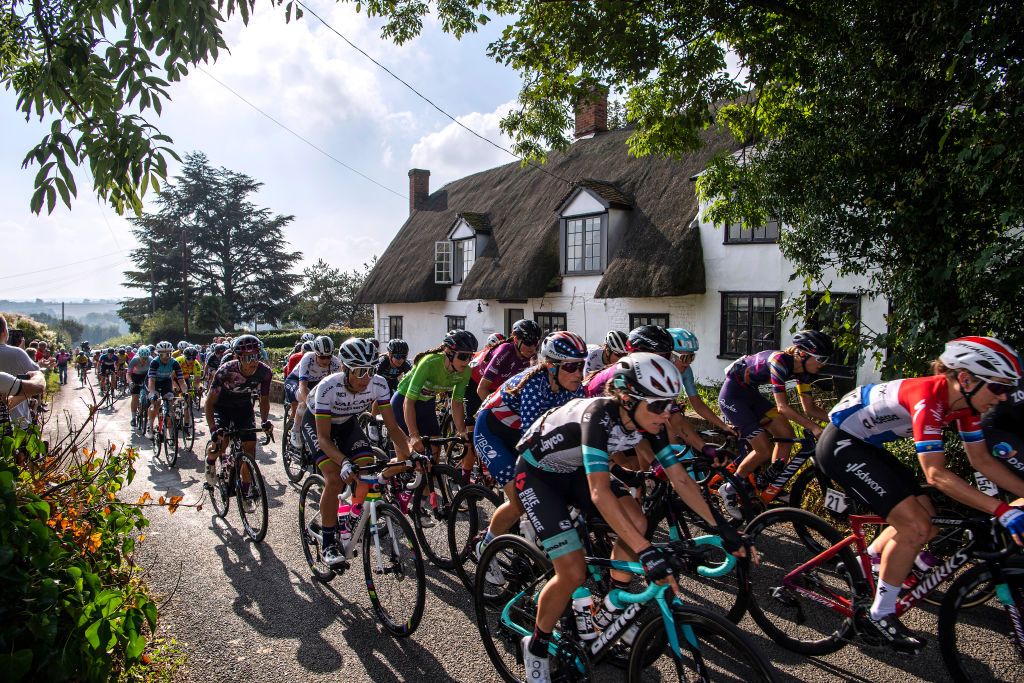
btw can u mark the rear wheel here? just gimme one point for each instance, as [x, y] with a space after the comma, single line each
[252, 498]
[220, 495]
[393, 568]
[188, 432]
[172, 442]
[472, 508]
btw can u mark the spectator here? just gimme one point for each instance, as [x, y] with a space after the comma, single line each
[14, 361]
[17, 338]
[63, 357]
[14, 391]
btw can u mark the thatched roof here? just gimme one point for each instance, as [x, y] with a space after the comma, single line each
[660, 257]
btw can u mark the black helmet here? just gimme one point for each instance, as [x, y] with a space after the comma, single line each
[650, 338]
[247, 343]
[527, 331]
[460, 341]
[813, 342]
[398, 347]
[220, 348]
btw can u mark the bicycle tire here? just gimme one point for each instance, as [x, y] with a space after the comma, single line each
[219, 495]
[292, 461]
[398, 557]
[158, 437]
[721, 650]
[254, 521]
[309, 512]
[471, 512]
[978, 644]
[434, 541]
[188, 434]
[797, 623]
[172, 443]
[749, 508]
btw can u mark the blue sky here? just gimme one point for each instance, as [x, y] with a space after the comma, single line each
[310, 80]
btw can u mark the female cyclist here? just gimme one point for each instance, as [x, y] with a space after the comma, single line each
[565, 461]
[971, 376]
[314, 366]
[600, 357]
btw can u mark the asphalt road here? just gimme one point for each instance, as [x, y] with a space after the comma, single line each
[252, 612]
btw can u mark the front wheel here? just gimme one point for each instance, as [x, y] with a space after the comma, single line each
[431, 504]
[311, 528]
[172, 442]
[252, 498]
[219, 495]
[978, 644]
[293, 460]
[393, 569]
[710, 649]
[471, 512]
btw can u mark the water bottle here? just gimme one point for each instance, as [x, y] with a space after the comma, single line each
[607, 614]
[583, 608]
[527, 531]
[344, 512]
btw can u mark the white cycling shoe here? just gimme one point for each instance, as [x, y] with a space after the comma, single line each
[538, 669]
[728, 495]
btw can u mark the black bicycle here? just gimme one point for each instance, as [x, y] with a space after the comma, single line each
[239, 476]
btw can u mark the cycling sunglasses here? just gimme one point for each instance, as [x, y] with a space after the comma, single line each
[464, 355]
[657, 405]
[323, 356]
[360, 373]
[249, 358]
[999, 389]
[683, 357]
[571, 368]
[398, 357]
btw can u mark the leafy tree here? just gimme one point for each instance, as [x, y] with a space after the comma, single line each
[329, 297]
[211, 314]
[884, 135]
[163, 326]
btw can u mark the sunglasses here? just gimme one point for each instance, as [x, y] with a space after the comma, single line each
[999, 389]
[464, 355]
[571, 368]
[398, 357]
[529, 342]
[323, 356]
[657, 405]
[360, 373]
[249, 358]
[684, 357]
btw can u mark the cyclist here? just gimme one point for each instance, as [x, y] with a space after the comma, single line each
[684, 350]
[82, 363]
[191, 369]
[393, 364]
[179, 351]
[291, 379]
[565, 461]
[600, 357]
[314, 366]
[514, 407]
[138, 368]
[441, 369]
[646, 338]
[1004, 431]
[214, 361]
[163, 379]
[106, 366]
[972, 375]
[755, 418]
[332, 434]
[229, 405]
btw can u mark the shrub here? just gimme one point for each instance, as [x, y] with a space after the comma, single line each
[287, 338]
[122, 340]
[32, 328]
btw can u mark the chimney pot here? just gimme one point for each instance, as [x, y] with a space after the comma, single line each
[419, 188]
[592, 113]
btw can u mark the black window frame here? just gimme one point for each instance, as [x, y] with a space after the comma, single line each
[728, 239]
[638, 319]
[564, 247]
[723, 352]
[395, 330]
[455, 322]
[547, 325]
[512, 316]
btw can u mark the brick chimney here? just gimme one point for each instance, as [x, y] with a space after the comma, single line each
[592, 113]
[419, 188]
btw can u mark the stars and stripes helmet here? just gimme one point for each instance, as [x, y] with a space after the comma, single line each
[563, 346]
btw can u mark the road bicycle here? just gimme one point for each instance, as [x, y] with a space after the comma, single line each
[427, 499]
[142, 413]
[392, 564]
[83, 373]
[238, 475]
[107, 393]
[671, 640]
[810, 597]
[294, 460]
[165, 431]
[184, 427]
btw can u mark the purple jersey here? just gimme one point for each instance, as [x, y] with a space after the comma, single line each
[595, 387]
[505, 362]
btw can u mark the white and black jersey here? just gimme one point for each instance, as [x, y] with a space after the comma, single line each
[333, 399]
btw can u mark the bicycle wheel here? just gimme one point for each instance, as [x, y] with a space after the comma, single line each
[711, 649]
[172, 441]
[158, 436]
[188, 433]
[472, 508]
[795, 621]
[252, 499]
[431, 503]
[979, 644]
[310, 527]
[219, 495]
[292, 460]
[524, 568]
[393, 568]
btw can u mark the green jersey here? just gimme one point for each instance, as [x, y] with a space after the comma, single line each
[429, 377]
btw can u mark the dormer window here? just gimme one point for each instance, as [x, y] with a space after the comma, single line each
[592, 219]
[454, 257]
[740, 233]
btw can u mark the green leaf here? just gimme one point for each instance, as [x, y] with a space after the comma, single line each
[16, 665]
[92, 634]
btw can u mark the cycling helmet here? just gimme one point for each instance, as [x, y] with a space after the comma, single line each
[144, 352]
[495, 339]
[306, 347]
[323, 345]
[813, 342]
[191, 353]
[563, 346]
[182, 345]
[246, 344]
[647, 375]
[220, 348]
[684, 341]
[985, 357]
[376, 344]
[356, 353]
[307, 336]
[527, 331]
[616, 342]
[650, 338]
[164, 347]
[460, 341]
[398, 347]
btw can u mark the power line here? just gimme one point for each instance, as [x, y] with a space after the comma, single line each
[63, 265]
[319, 149]
[64, 279]
[427, 99]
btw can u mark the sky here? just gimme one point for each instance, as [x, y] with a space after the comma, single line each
[311, 81]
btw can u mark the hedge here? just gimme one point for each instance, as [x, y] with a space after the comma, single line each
[287, 338]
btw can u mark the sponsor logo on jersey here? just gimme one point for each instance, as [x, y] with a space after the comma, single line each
[552, 441]
[870, 422]
[857, 470]
[918, 407]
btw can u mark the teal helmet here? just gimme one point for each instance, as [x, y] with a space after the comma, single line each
[683, 341]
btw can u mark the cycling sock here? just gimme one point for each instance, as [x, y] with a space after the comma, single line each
[330, 536]
[885, 600]
[618, 583]
[539, 643]
[488, 537]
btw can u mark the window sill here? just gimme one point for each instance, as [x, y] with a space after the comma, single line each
[583, 272]
[728, 243]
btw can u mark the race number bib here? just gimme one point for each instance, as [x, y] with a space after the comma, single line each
[984, 485]
[836, 501]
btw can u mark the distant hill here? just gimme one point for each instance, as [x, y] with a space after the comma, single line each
[99, 316]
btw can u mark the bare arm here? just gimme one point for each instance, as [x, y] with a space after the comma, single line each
[996, 472]
[483, 390]
[934, 466]
[702, 409]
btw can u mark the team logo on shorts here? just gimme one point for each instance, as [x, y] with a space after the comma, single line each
[520, 481]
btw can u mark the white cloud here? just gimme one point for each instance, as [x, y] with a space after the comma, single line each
[454, 152]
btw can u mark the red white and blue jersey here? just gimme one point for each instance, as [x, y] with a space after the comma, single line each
[917, 408]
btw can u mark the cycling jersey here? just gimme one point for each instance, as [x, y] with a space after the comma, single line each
[214, 362]
[236, 389]
[138, 366]
[769, 367]
[82, 359]
[333, 400]
[108, 361]
[311, 372]
[390, 373]
[503, 363]
[164, 371]
[521, 409]
[430, 377]
[191, 367]
[595, 359]
[293, 362]
[480, 362]
[582, 434]
[596, 384]
[917, 407]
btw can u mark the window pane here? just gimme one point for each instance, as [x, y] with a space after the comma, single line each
[384, 330]
[396, 327]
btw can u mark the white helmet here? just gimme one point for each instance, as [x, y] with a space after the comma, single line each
[324, 345]
[164, 347]
[647, 375]
[616, 340]
[357, 353]
[984, 357]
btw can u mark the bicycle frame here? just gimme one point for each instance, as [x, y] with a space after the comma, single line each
[773, 488]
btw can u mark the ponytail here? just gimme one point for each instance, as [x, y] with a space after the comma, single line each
[419, 356]
[533, 372]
